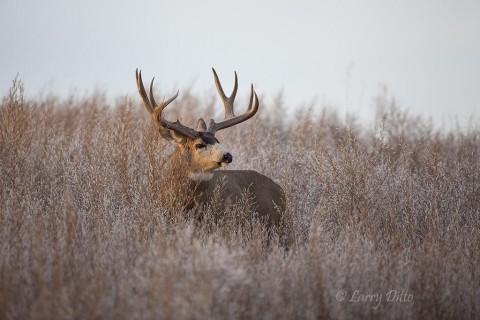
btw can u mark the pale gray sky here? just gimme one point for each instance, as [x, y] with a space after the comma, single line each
[336, 53]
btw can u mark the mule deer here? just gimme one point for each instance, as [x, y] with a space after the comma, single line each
[200, 153]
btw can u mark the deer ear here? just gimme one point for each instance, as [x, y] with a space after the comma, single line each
[201, 125]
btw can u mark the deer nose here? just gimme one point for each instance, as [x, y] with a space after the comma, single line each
[227, 157]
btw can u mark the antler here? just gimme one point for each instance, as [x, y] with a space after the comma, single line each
[230, 118]
[157, 110]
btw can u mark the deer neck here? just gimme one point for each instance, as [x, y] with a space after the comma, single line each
[180, 184]
[180, 173]
[181, 164]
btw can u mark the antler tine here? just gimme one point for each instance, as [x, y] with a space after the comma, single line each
[163, 104]
[227, 101]
[157, 110]
[142, 92]
[230, 118]
[152, 98]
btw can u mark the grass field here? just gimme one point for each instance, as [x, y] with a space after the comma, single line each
[386, 220]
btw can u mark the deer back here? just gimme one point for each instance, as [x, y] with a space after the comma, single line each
[233, 186]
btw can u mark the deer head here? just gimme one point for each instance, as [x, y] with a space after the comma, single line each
[200, 149]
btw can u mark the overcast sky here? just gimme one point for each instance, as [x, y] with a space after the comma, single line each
[334, 53]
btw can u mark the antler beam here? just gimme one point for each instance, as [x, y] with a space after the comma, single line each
[157, 110]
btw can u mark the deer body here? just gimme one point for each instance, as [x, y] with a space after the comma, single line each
[192, 171]
[267, 197]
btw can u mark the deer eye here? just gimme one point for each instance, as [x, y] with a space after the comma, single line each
[200, 146]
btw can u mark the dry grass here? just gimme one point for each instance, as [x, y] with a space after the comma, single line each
[85, 234]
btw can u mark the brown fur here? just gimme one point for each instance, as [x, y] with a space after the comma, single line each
[267, 197]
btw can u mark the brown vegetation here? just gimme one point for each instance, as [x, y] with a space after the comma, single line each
[87, 232]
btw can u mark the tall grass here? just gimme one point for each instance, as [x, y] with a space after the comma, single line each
[390, 215]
